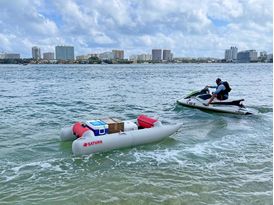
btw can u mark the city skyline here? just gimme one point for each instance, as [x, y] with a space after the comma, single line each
[190, 29]
[66, 52]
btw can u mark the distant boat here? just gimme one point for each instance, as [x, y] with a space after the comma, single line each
[25, 63]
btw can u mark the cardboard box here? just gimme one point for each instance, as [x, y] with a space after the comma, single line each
[114, 125]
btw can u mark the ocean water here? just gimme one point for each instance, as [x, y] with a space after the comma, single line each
[212, 159]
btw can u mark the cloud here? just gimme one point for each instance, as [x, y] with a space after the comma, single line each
[5, 41]
[225, 10]
[24, 26]
[188, 28]
[23, 16]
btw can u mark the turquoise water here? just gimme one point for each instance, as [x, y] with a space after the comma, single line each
[213, 159]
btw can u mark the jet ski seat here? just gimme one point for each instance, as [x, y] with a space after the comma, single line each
[205, 96]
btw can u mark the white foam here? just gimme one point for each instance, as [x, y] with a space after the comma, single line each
[160, 156]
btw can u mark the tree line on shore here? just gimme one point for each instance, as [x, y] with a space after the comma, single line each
[96, 60]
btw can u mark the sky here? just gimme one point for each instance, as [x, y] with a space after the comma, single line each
[189, 28]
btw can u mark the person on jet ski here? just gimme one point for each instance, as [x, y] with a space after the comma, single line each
[222, 90]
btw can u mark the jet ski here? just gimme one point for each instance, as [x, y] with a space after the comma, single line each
[199, 99]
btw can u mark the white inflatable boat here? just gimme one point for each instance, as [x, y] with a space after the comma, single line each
[95, 136]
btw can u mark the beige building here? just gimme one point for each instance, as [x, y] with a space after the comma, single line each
[118, 54]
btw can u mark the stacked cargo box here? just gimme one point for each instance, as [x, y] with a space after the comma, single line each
[114, 125]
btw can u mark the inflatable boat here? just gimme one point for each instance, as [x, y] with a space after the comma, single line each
[199, 99]
[103, 135]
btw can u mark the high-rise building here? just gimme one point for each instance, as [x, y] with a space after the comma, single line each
[167, 55]
[269, 58]
[234, 51]
[156, 54]
[36, 53]
[247, 56]
[228, 55]
[231, 54]
[118, 54]
[48, 56]
[64, 52]
[253, 55]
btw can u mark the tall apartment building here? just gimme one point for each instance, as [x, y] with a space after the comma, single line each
[64, 52]
[231, 54]
[48, 56]
[36, 53]
[269, 58]
[156, 54]
[118, 54]
[247, 56]
[234, 51]
[253, 55]
[167, 55]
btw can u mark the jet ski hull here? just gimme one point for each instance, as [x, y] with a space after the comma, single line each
[199, 104]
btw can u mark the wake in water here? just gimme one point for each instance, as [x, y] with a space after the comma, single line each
[262, 109]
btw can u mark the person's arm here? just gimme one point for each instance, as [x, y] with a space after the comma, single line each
[211, 86]
[220, 88]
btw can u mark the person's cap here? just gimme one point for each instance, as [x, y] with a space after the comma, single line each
[218, 80]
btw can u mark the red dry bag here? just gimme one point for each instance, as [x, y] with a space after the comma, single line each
[145, 121]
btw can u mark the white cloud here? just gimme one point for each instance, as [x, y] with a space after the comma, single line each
[4, 41]
[190, 28]
[24, 16]
[225, 9]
